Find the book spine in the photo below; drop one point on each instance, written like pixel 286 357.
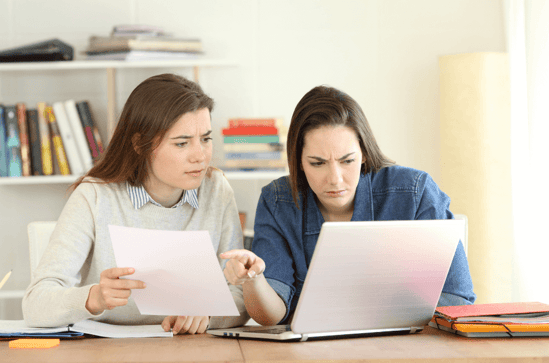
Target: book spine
pixel 58 143
pixel 89 126
pixel 79 134
pixel 250 130
pixel 47 160
pixel 244 164
pixel 487 328
pixel 250 139
pixel 13 142
pixel 237 122
pixel 3 144
pixel 34 142
pixel 268 147
pixel 242 217
pixel 256 156
pixel 69 141
pixel 24 138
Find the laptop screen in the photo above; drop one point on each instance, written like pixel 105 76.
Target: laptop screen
pixel 376 275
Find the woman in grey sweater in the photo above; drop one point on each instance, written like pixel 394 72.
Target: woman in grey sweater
pixel 155 174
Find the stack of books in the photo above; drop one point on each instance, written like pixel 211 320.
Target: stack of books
pixel 57 139
pixel 494 320
pixel 255 144
pixel 141 42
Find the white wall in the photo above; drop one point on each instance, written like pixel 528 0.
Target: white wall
pixel 383 53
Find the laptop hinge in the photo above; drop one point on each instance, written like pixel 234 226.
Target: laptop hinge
pixel 304 338
pixel 413 330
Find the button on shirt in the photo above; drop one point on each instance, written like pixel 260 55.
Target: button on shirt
pixel 140 197
pixel 285 236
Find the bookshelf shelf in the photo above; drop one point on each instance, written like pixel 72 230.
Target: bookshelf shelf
pixel 29 180
pixel 12 294
pixel 69 179
pixel 98 64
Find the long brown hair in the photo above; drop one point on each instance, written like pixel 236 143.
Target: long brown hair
pixel 151 109
pixel 328 106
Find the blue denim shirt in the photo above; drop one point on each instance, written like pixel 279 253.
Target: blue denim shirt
pixel 285 236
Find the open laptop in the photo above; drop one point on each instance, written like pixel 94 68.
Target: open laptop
pixel 368 278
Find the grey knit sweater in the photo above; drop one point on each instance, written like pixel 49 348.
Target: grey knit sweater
pixel 80 249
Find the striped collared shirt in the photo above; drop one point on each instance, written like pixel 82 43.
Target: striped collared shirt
pixel 140 197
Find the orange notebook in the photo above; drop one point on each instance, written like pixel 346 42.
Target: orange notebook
pixel 494 320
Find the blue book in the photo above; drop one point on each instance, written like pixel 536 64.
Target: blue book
pixel 257 155
pixel 3 145
pixel 13 142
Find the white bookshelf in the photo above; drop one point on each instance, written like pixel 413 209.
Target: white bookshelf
pixel 30 180
pixel 110 68
pixel 69 179
pixel 104 64
pixel 12 294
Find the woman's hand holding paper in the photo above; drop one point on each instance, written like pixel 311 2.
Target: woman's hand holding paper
pixel 112 291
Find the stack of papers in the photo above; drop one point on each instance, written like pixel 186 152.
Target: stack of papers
pixel 494 320
pixel 17 329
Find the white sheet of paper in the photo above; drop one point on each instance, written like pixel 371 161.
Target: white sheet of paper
pixel 180 269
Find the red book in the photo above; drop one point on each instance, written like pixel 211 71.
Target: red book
pixel 467 311
pixel 237 122
pixel 250 130
pixel 90 129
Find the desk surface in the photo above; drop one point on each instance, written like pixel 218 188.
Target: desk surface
pixel 430 345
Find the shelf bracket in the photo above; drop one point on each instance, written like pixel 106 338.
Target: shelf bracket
pixel 196 71
pixel 111 101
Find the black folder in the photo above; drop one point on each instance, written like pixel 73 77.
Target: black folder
pixel 46 51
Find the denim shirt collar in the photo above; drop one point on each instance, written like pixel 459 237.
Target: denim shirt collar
pixel 363 209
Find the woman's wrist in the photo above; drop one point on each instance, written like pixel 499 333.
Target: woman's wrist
pixel 256 281
pixel 91 304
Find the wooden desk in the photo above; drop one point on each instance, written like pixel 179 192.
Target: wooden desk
pixel 431 345
pixel 181 348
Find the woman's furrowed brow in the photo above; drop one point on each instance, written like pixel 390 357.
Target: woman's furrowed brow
pixel 190 136
pixel 340 159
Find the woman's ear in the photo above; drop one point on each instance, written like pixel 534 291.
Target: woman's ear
pixel 135 140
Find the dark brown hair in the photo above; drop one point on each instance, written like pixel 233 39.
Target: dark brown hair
pixel 327 106
pixel 151 109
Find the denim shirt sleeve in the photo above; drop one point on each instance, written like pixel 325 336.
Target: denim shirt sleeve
pixel 270 244
pixel 432 203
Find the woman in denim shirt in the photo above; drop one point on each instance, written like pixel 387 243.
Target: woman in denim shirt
pixel 337 173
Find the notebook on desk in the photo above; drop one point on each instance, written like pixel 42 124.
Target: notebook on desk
pixel 368 278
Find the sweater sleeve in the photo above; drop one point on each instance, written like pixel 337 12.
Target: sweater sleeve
pixel 54 297
pixel 434 204
pixel 231 238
